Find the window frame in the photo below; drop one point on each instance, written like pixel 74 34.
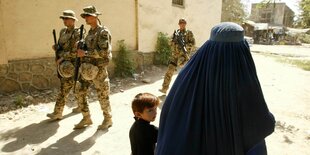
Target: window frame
pixel 178 5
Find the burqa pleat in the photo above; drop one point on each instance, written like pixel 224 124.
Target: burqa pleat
pixel 216 105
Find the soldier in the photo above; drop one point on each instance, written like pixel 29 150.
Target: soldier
pixel 66 53
pixel 178 56
pixel 95 58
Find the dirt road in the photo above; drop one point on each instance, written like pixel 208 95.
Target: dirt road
pixel 27 131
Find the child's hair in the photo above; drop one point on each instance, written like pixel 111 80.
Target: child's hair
pixel 144 100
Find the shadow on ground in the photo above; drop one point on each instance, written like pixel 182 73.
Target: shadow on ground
pixel 32 134
pixel 37 133
pixel 67 144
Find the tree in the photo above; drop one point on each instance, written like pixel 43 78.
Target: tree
pixel 233 11
pixel 305 13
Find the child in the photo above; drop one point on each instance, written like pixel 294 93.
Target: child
pixel 143 135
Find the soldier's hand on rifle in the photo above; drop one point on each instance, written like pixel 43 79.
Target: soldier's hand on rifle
pixel 80 53
pixel 56 47
pixel 53 47
pixel 58 61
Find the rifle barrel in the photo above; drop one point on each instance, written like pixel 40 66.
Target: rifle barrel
pixel 54 35
pixel 77 59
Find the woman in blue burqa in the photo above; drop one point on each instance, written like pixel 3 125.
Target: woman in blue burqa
pixel 216 105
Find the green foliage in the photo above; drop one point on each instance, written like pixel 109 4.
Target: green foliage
pixel 304 38
pixel 233 11
pixel 19 101
pixel 305 13
pixel 290 59
pixel 163 49
pixel 303 64
pixel 266 3
pixel 124 66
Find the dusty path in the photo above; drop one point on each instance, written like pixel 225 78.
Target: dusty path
pixel 287 93
pixel 297 51
pixel 27 131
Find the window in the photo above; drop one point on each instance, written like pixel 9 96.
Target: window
pixel 178 2
pixel 268 15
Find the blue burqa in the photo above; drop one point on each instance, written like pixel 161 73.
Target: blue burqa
pixel 216 105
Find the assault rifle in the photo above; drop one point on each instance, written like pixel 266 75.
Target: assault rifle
pixel 179 39
pixel 57 50
pixel 77 63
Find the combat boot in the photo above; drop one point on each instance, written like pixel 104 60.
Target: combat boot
pixel 86 121
pixel 77 110
pixel 107 122
pixel 54 116
pixel 164 91
pixel 57 114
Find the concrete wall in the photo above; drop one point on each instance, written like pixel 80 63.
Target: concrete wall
pixel 26 25
pixel 288 18
pixel 281 14
pixel 162 16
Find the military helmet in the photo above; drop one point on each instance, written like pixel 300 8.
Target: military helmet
pixel 89 71
pixel 182 20
pixel 66 69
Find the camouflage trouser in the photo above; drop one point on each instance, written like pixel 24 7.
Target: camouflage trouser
pixel 65 86
pixel 102 85
pixel 175 61
pixel 168 76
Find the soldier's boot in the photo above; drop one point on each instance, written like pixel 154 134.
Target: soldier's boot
pixel 107 122
pixel 77 110
pixel 57 114
pixel 54 116
pixel 86 121
pixel 163 90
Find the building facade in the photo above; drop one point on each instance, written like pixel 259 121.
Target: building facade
pixel 276 14
pixel 26 56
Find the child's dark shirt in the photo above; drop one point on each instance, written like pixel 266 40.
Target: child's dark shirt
pixel 143 137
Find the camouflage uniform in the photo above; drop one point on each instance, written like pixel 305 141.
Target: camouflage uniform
pixel 67 39
pixel 178 58
pixel 94 69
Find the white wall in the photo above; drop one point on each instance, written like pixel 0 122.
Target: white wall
pixel 26 25
pixel 3 55
pixel 161 16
